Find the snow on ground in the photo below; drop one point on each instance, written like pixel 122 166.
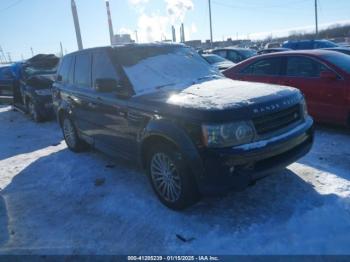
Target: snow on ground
pixel 53 201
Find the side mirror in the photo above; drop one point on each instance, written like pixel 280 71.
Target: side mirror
pixel 329 75
pixel 59 78
pixel 106 85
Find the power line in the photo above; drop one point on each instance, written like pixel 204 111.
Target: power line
pixel 247 6
pixel 11 5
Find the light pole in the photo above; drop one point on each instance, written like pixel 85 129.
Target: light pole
pixel 76 25
pixel 110 25
pixel 316 17
pixel 210 22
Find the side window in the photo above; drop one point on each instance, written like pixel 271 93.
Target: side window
pixel 102 67
pixel 82 72
pixel 271 66
pixel 304 67
pixel 221 53
pixel 6 74
pixel 233 56
pixel 65 69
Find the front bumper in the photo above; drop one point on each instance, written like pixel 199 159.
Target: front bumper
pixel 44 105
pixel 237 167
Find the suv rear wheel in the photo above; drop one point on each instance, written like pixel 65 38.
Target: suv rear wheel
pixel 170 178
pixel 71 137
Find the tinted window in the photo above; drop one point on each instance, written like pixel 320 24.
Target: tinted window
pixel 340 60
pixel 102 67
pixel 82 73
pixel 221 53
pixel 233 56
pixel 271 66
pixel 6 73
pixel 65 69
pixel 212 59
pixel 304 67
pixel 247 53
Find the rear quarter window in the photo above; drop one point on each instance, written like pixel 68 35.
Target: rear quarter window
pixel 65 69
pixel 82 71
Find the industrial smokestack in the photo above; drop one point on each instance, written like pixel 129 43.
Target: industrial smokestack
pixel 174 33
pixel 182 33
pixel 110 25
pixel 76 25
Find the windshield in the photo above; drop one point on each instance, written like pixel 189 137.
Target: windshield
pixel 248 53
pixel 340 60
pixel 32 71
pixel 213 59
pixel 151 68
pixel 325 44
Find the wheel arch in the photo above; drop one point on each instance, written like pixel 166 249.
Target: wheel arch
pixel 169 133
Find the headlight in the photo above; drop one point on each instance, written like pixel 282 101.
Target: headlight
pixel 226 135
pixel 304 108
pixel 43 92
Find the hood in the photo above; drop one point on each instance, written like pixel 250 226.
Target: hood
pixel 223 98
pixel 224 93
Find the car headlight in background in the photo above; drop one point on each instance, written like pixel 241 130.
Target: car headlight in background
pixel 43 92
pixel 304 110
pixel 230 134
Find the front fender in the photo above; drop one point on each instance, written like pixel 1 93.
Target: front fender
pixel 178 136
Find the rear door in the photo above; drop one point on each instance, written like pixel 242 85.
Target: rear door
pixel 82 95
pixel 325 97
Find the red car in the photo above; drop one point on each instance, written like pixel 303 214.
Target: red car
pixel 323 77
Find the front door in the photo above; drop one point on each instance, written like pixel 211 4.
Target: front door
pixel 325 97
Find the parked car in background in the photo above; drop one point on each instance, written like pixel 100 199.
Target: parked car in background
pixel 273 50
pixel 33 95
pixel 7 81
pixel 308 44
pixel 218 62
pixel 235 55
pixel 343 50
pixel 193 130
pixel 273 45
pixel 323 76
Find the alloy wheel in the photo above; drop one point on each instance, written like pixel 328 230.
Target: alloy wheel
pixel 165 177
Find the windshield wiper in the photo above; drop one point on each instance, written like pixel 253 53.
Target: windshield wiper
pixel 207 77
pixel 166 85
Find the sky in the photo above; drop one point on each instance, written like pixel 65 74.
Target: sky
pixel 43 24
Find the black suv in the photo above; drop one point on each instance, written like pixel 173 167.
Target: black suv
pixel 193 130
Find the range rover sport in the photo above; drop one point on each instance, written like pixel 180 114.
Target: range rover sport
pixel 194 131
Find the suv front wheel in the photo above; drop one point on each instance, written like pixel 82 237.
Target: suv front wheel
pixel 71 137
pixel 170 178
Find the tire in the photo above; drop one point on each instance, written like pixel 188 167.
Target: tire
pixel 33 112
pixel 170 178
pixel 71 137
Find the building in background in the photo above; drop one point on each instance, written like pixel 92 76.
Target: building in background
pixel 122 39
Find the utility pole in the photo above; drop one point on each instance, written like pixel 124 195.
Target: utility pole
pixel 61 49
pixel 31 50
pixel 210 22
pixel 316 17
pixel 110 25
pixel 136 36
pixel 76 25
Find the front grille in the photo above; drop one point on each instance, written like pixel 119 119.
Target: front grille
pixel 277 120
